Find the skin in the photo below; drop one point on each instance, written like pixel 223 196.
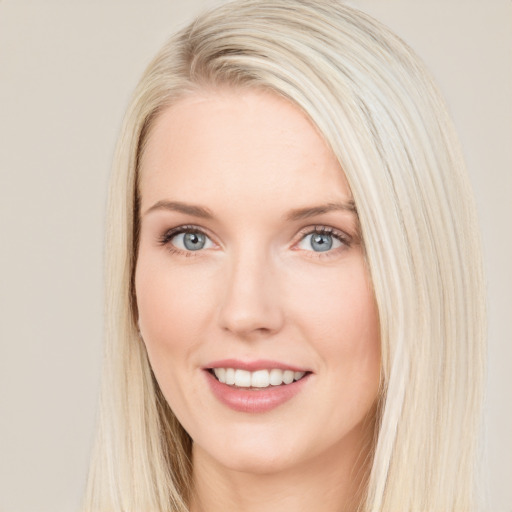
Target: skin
pixel 257 290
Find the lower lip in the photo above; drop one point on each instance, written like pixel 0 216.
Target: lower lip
pixel 254 400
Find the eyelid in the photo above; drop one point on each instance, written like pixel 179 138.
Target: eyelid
pixel 324 230
pixel 169 234
pixel 342 236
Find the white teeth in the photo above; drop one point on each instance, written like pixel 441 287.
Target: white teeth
pixel 260 379
pixel 220 373
pixel 257 379
pixel 242 378
pixel 298 375
pixel 230 376
pixel 288 377
pixel 276 377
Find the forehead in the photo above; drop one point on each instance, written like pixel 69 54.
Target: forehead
pixel 243 144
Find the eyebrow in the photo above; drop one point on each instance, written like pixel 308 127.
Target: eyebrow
pixel 293 215
pixel 306 213
pixel 177 206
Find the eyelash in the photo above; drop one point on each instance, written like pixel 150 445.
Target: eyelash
pixel 165 239
pixel 345 239
pixel 342 237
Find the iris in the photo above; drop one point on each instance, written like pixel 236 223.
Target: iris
pixel 321 242
pixel 194 241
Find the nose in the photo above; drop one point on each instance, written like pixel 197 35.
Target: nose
pixel 250 304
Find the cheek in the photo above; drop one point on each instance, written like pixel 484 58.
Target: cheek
pixel 339 304
pixel 172 308
pixel 341 317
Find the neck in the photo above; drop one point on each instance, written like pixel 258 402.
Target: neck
pixel 329 482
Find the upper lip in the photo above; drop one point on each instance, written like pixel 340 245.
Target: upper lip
pixel 251 366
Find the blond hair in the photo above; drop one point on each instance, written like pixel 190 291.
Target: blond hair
pixel 376 106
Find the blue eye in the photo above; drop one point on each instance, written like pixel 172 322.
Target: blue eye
pixel 320 241
pixel 191 241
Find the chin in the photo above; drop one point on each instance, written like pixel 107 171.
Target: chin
pixel 255 457
pixel 258 463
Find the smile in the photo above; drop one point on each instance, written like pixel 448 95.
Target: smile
pixel 256 379
pixel 256 386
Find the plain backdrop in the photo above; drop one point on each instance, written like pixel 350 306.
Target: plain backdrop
pixel 67 69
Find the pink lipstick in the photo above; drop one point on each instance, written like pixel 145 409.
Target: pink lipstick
pixel 255 386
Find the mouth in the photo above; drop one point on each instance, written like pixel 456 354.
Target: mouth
pixel 255 386
pixel 256 380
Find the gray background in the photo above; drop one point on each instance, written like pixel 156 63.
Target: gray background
pixel 67 69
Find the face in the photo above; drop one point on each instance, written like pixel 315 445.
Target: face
pixel 254 300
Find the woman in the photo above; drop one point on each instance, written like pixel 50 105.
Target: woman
pixel 295 292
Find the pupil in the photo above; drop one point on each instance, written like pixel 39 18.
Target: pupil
pixel 321 242
pixel 193 241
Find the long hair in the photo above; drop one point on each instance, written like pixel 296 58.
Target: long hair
pixel 378 109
